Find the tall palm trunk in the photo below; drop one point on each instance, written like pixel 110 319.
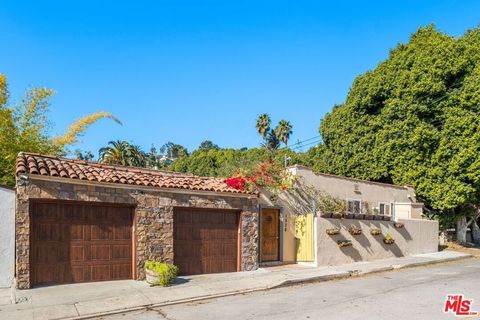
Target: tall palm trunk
pixel 475 232
pixel 462 230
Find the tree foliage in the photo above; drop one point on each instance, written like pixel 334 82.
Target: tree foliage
pixel 122 153
pixel 273 137
pixel 24 126
pixel 414 119
pixel 224 162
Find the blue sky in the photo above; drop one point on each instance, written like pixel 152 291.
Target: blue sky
pixel 186 71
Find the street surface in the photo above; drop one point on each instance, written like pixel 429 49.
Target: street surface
pixel 417 293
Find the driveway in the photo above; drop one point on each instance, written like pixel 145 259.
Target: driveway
pixel 417 293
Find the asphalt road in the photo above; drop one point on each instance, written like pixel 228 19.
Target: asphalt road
pixel 417 293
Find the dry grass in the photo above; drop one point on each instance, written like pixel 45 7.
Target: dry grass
pixel 464 248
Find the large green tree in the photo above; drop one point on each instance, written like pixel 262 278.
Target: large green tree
pixel 224 162
pixel 414 119
pixel 24 126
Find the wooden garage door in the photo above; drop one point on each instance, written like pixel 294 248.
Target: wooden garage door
pixel 80 243
pixel 205 241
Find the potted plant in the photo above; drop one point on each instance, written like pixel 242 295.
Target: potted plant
pixel 398 225
pixel 344 243
pixel 160 273
pixel 333 231
pixel 388 239
pixel 337 215
pixel 354 231
pixel 375 232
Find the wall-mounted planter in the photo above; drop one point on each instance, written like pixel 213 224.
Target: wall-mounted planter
pixel 344 243
pixel 359 216
pixel 398 225
pixel 378 217
pixel 387 218
pixel 354 231
pixel 333 231
pixel 349 215
pixel 326 215
pixel 337 215
pixel 388 241
pixel 369 217
pixel 375 232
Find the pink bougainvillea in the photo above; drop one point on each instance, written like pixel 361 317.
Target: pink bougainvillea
pixel 236 183
pixel 266 174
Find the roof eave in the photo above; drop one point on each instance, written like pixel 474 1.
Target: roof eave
pixel 139 187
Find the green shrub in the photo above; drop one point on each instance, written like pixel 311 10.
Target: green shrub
pixel 388 237
pixel 166 272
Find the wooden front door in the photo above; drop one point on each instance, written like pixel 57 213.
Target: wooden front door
pixel 205 240
pixel 270 246
pixel 72 242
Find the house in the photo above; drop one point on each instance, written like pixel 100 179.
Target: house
pixel 79 221
pixel 7 236
pixel 282 216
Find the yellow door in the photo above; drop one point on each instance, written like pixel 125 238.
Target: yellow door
pixel 305 238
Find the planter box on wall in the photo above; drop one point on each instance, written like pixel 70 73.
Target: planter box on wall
pixel 344 243
pixel 354 231
pixel 332 232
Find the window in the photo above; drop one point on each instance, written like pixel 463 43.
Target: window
pixel 384 208
pixel 354 206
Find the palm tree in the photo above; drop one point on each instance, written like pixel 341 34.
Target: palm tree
pixel 136 157
pixel 283 131
pixel 122 153
pixel 263 125
pixel 271 142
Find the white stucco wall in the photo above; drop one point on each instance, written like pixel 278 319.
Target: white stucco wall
pixel 402 198
pixel 416 237
pixel 7 236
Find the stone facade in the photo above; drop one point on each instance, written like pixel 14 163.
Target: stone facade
pixel 153 217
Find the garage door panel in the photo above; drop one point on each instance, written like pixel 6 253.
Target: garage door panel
pixel 77 253
pixel 122 232
pixel 101 272
pixel 100 252
pixel 121 252
pixel 75 232
pixel 48 232
pixel 101 232
pixel 118 271
pixel 84 243
pixel 212 246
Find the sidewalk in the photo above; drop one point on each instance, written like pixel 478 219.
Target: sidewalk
pixel 94 299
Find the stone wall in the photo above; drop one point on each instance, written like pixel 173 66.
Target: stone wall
pixel 416 236
pixel 153 212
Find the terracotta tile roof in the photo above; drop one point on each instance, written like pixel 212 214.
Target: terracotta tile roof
pixel 35 164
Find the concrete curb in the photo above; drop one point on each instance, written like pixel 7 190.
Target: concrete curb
pixel 432 262
pixel 286 283
pixel 322 278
